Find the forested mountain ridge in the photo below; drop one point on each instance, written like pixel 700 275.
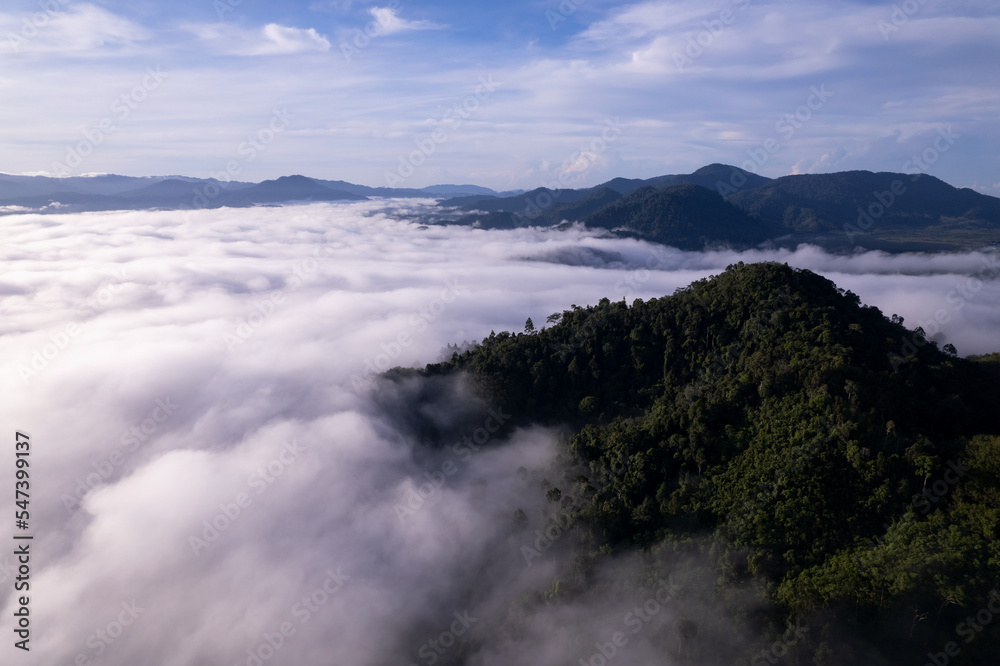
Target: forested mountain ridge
pixel 686 216
pixel 841 211
pixel 803 444
pixel 891 211
pixel 831 202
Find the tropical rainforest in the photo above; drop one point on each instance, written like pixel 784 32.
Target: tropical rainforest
pixel 823 482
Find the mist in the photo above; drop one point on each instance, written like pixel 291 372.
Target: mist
pixel 220 476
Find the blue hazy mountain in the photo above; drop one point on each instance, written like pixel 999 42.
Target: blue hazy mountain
pixel 717 204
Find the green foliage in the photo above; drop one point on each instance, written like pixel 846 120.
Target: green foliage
pixel 905 213
pixel 761 410
pixel 685 216
pixel 827 202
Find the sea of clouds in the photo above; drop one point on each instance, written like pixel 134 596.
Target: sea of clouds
pixel 216 476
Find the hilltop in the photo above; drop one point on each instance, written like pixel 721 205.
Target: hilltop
pixel 826 466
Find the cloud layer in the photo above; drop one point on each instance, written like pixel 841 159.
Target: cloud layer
pixel 214 466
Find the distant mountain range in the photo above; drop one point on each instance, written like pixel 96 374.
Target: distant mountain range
pixel 721 204
pixel 716 205
pixel 112 192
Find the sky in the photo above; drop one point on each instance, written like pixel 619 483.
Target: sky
pixel 213 458
pixel 505 95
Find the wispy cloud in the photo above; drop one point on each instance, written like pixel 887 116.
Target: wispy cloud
pixel 183 466
pixel 83 29
pixel 271 39
pixel 390 21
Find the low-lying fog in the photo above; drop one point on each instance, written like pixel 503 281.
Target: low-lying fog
pixel 209 468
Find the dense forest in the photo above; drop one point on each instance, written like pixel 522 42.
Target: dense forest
pixel 829 477
pixel 887 211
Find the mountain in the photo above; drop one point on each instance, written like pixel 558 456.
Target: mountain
pixel 839 211
pixel 686 216
pixel 367 191
pixel 598 199
pixel 121 193
pixel 106 192
pixel 675 209
pixel 171 187
pixel 288 188
pixel 789 456
pixel 164 194
pixel 540 202
pixel 109 192
pixel 573 209
pixel 721 178
pixel 829 202
pixel 108 184
pixel 457 190
pixel 629 185
pixel 432 191
pixel 888 211
pixel 525 204
pixel 711 177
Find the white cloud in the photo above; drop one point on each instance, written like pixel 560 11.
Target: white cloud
pixel 390 22
pixel 283 39
pixel 271 39
pixel 321 292
pixel 81 29
pixel 639 20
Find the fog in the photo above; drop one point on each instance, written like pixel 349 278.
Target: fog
pixel 213 461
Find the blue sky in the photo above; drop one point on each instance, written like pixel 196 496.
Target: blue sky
pixel 511 95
